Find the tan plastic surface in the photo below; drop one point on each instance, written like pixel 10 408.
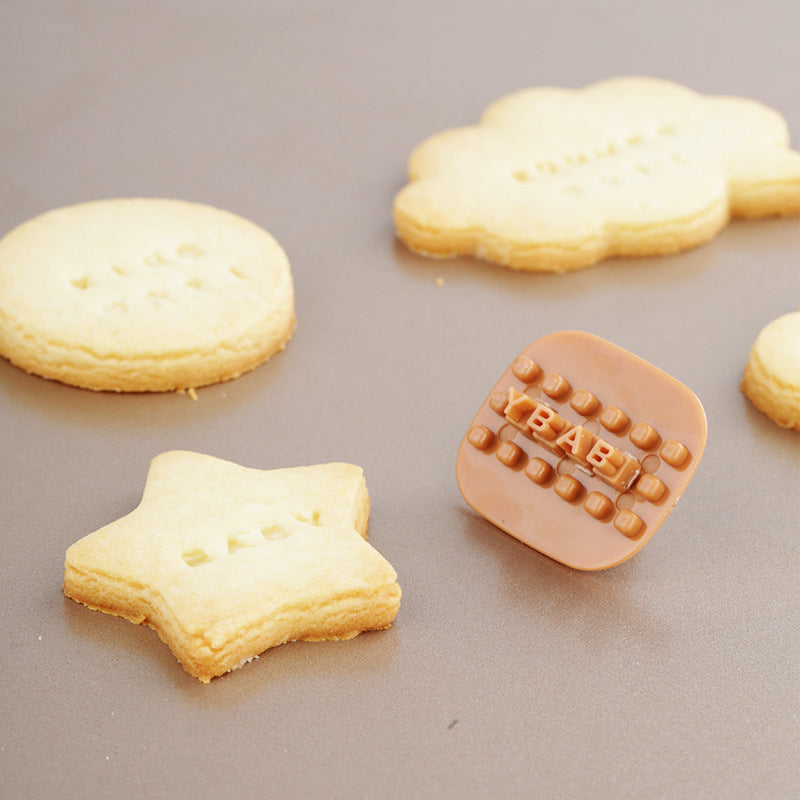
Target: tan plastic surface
pixel 566 452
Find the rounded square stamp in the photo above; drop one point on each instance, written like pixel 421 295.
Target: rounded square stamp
pixel 617 493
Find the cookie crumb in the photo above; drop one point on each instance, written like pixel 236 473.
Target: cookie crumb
pixel 440 281
pixel 192 393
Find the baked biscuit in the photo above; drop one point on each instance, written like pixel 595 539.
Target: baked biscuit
pixel 555 179
pixel 225 561
pixel 135 295
pixel 772 374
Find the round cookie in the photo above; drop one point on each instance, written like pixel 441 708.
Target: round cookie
pixel 134 295
pixel 772 375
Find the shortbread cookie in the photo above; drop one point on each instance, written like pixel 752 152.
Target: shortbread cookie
pixel 772 375
pixel 225 561
pixel 137 295
pixel 556 179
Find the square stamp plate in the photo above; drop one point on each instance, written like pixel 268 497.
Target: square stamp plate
pixel 581 450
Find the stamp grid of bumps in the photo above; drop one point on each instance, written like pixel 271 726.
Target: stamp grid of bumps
pixel 607 474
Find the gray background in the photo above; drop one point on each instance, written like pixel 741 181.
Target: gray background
pixel 505 674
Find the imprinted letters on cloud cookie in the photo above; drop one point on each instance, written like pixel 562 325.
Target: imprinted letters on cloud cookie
pixel 556 179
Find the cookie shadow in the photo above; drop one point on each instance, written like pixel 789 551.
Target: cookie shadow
pixel 650 272
pixel 85 408
pixel 114 639
pixel 782 442
pixel 299 666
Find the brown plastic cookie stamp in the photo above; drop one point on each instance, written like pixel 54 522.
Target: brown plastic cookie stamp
pixel 581 450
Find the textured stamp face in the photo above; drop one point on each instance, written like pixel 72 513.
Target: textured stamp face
pixel 581 450
pixel 225 561
pixel 554 179
pixel 142 295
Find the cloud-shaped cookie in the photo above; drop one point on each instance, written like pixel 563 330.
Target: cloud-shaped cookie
pixel 556 179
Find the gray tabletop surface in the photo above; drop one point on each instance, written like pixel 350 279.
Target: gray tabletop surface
pixel 505 674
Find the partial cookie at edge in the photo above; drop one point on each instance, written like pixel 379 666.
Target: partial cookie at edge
pixel 771 379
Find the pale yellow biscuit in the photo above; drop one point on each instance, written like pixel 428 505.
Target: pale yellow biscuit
pixel 142 295
pixel 772 374
pixel 556 179
pixel 225 561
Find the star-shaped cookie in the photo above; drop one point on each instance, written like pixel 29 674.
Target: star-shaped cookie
pixel 556 179
pixel 224 561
